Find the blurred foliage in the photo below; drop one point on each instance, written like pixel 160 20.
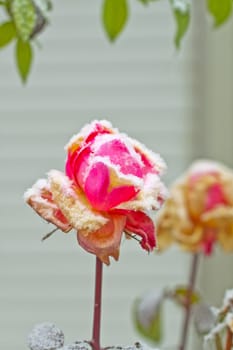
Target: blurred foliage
pixel 24 20
pixel 148 310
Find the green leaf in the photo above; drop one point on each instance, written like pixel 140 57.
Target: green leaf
pixel 220 10
pixel 115 15
pixel 7 33
pixel 180 295
pixel 181 11
pixel 24 17
pixel 24 56
pixel 147 316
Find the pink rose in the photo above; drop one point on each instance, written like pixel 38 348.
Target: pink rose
pixel 111 183
pixel 199 212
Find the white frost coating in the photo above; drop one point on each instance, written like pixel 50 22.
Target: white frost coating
pixel 35 190
pixel 78 345
pixel 45 336
pixel 123 138
pixel 132 179
pixel 204 166
pixel 228 298
pixel 87 129
pixel 149 198
pixel 217 329
pixel 136 346
pixel 159 164
pixel 181 5
pixel 148 307
pixel 229 319
pixel 63 180
pixel 77 213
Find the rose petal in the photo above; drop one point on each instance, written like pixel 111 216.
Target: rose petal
pixel 141 224
pixel 104 242
pixel 215 197
pixel 40 198
pixel 73 203
pixel 119 154
pixel 97 185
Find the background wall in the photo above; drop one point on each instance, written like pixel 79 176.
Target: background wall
pixel 145 88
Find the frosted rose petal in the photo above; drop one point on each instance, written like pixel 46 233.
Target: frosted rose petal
pixel 96 189
pixel 40 198
pixel 118 154
pixel 215 197
pixel 141 224
pixel 104 242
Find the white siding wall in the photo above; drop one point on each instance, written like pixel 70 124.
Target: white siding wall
pixel 145 89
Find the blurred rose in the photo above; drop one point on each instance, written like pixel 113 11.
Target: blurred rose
pixel 199 212
pixel 111 183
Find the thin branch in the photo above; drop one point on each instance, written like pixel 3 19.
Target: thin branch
pixel 191 285
pixel 49 234
pixel 133 236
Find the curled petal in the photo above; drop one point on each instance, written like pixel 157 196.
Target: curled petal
pixel 105 241
pixel 39 197
pixel 141 224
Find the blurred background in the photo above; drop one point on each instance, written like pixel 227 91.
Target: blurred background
pixel 178 103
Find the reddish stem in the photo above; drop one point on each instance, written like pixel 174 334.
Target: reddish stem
pixel 191 285
pixel 229 342
pixel 95 342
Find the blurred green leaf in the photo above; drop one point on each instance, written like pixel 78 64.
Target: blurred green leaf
pixel 115 15
pixel 220 10
pixel 154 331
pixel 180 295
pixel 24 56
pixel 7 33
pixel 147 315
pixel 24 17
pixel 181 11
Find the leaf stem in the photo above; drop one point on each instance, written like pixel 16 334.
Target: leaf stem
pixel 229 342
pixel 95 342
pixel 191 285
pixel 218 342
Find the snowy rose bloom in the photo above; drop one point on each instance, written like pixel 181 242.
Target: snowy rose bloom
pixel 111 183
pixel 199 212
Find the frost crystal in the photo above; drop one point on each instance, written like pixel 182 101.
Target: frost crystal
pixel 181 5
pixel 136 346
pixel 45 336
pixel 228 298
pixel 78 345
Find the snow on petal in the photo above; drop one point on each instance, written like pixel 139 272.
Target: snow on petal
pixel 73 204
pixel 39 197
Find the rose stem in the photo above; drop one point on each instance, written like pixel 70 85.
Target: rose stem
pixel 229 340
pixel 95 342
pixel 191 285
